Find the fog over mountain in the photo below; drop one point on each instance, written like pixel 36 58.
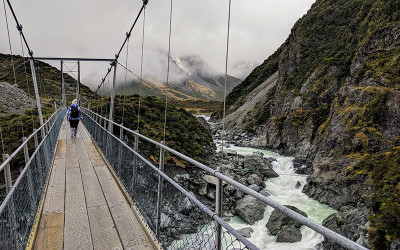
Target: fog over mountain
pixel 90 28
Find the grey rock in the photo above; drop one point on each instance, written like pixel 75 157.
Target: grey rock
pixel 250 209
pixel 165 221
pixel 350 222
pixel 203 190
pixel 278 219
pixel 14 99
pixel 265 192
pixel 255 179
pixel 395 245
pixel 255 163
pixel 246 232
pixel 211 194
pixel 238 194
pixel 270 159
pixel 255 187
pixel 289 234
pixel 301 166
pixel 298 185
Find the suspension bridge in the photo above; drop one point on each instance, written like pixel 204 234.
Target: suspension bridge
pixel 98 191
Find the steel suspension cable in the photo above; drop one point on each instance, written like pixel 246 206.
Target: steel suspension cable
pixel 26 75
pixel 141 68
pixel 117 55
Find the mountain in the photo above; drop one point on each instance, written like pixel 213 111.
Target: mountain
pixel 330 96
pixel 192 79
pixel 48 79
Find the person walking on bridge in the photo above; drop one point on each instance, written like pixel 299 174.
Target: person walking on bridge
pixel 74 115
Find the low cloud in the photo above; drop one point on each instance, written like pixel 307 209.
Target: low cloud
pixel 90 28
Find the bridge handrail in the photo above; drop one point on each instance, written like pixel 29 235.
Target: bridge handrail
pixel 48 123
pixel 203 207
pixel 336 237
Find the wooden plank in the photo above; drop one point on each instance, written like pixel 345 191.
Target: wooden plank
pixel 103 231
pixel 84 134
pixel 50 234
pixel 72 155
pixel 129 228
pixel 77 233
pixel 95 157
pixel 55 193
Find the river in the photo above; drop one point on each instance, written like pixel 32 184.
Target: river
pixel 283 190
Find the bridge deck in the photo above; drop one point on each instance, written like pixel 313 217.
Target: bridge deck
pixel 84 207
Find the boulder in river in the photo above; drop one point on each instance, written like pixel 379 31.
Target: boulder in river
pixel 255 179
pixel 278 219
pixel 250 209
pixel 289 234
pixel 301 166
pixel 256 164
pixel 246 232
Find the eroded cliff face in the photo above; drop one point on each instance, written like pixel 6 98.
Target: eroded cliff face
pixel 335 101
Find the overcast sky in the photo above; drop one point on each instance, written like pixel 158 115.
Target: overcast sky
pixel 96 28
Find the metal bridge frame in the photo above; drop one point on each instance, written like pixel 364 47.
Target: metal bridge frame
pixel 62 60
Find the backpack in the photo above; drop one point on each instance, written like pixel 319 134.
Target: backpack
pixel 74 111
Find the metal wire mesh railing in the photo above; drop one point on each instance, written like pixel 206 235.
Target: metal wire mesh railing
pixel 175 216
pixel 96 121
pixel 18 210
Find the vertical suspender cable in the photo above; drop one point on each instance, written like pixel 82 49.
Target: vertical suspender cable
pixel 12 61
pixel 226 76
pixel 218 205
pixel 9 42
pixel 169 53
pixel 141 67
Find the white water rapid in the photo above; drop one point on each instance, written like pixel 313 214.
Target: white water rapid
pixel 282 190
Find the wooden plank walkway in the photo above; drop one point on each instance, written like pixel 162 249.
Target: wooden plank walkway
pixel 84 207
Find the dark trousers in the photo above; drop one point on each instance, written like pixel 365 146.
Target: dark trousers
pixel 73 123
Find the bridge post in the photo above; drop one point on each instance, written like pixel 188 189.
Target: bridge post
pixel 63 100
pixel 26 151
pixel 36 92
pixel 135 161
pixel 46 129
pixel 7 174
pixel 29 174
pixel 35 138
pixel 77 84
pixel 218 211
pixel 55 106
pixel 159 193
pixel 110 126
pixel 121 136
